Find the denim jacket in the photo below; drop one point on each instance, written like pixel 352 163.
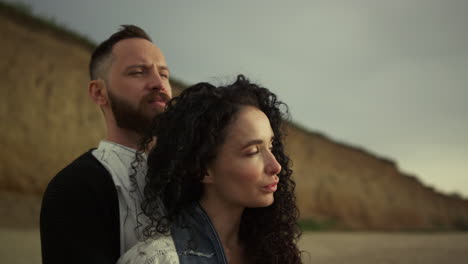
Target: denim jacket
pixel 193 240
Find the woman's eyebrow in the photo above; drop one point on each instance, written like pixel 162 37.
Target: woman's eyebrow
pixel 252 142
pixel 256 142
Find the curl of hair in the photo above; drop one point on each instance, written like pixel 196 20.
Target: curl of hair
pixel 189 134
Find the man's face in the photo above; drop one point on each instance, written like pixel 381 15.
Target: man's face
pixel 137 84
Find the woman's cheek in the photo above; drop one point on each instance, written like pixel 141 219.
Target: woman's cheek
pixel 247 170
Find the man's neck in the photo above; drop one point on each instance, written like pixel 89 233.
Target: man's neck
pixel 124 137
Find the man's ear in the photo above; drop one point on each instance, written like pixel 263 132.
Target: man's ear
pixel 98 92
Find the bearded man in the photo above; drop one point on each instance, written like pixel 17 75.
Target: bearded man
pixel 91 209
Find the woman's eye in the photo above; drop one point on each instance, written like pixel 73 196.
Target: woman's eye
pixel 252 151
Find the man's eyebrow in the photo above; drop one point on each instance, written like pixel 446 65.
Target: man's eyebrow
pixel 163 67
pixel 160 67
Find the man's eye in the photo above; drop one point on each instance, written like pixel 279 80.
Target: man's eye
pixel 164 75
pixel 138 71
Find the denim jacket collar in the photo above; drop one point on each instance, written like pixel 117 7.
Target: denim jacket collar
pixel 195 237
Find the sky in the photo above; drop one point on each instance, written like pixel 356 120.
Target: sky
pixel 387 76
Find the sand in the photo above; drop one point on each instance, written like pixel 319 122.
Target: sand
pixel 358 247
pixel 20 246
pixel 23 247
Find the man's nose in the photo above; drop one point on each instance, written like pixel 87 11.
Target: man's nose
pixel 156 81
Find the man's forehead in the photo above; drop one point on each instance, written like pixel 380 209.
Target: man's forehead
pixel 136 50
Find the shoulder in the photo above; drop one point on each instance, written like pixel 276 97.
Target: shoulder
pixel 80 212
pixel 158 250
pixel 86 169
pixel 85 175
pixel 85 163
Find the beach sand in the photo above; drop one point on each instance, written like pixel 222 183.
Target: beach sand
pixel 385 248
pixel 23 247
pixel 20 246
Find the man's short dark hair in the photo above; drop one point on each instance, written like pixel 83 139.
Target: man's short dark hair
pixel 104 50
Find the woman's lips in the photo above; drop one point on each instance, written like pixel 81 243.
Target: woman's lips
pixel 271 187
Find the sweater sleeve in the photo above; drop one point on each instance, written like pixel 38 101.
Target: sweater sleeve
pixel 79 220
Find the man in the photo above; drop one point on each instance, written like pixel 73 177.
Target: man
pixel 91 209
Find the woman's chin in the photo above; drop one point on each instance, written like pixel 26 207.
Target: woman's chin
pixel 264 202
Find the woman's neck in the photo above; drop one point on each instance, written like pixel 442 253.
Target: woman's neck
pixel 226 221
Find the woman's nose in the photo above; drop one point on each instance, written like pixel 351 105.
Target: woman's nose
pixel 273 166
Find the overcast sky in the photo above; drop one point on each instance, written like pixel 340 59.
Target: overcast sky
pixel 387 76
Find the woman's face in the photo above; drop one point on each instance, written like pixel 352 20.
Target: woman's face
pixel 244 172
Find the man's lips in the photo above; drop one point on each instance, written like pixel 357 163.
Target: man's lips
pixel 159 99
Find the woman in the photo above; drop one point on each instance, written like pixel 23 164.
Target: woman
pixel 219 171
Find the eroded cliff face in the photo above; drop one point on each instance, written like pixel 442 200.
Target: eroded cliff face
pixel 47 120
pixel 361 191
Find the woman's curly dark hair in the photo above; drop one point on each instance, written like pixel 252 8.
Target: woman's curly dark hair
pixel 189 133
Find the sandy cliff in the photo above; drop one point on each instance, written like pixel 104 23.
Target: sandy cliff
pixel 362 191
pixel 47 120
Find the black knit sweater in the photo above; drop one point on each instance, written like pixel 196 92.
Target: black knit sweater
pixel 79 220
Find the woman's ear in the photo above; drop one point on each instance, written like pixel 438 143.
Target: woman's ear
pixel 208 178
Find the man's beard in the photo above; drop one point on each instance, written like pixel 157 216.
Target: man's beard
pixel 127 116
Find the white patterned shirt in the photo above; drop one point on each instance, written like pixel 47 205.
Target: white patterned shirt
pixel 118 159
